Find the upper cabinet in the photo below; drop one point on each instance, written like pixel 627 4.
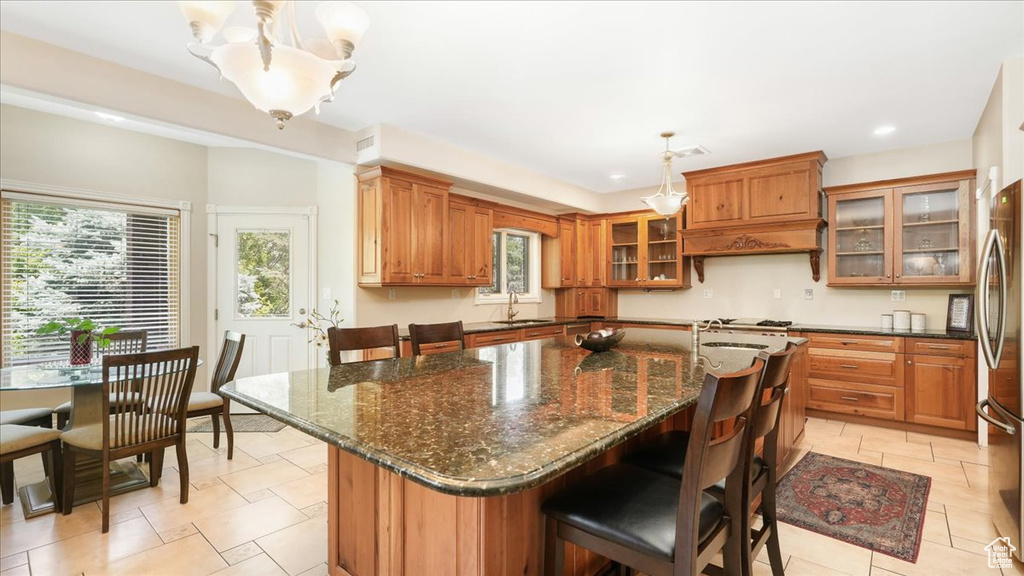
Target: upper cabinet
pixel 768 206
pixel 558 256
pixel 912 231
pixel 470 251
pixel 644 251
pixel 591 252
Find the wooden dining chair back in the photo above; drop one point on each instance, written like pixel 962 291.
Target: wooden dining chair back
pixel 213 404
pixel 124 342
pixel 655 523
pixel 760 473
pixel 146 422
pixel 435 338
pixel 369 338
pixel 725 403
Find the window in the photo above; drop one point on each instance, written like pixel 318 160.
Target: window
pixel 118 265
pixel 516 255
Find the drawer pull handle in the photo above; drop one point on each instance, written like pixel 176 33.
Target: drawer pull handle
pixel 849 342
pixel 850 398
pixel 850 366
pixel 938 347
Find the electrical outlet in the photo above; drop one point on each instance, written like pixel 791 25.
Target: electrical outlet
pixel 777 294
pixel 899 296
pixel 808 293
pixel 455 294
pixel 709 293
pixel 392 293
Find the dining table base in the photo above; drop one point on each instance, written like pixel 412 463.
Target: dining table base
pixel 125 476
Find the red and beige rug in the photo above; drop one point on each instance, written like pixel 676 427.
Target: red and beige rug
pixel 869 506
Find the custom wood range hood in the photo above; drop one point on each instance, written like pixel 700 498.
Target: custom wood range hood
pixel 769 206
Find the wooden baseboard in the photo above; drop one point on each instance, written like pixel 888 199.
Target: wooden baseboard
pixel 908 426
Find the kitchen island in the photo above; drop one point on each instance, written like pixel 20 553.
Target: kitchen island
pixel 439 464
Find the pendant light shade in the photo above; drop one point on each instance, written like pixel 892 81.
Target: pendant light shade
pixel 666 201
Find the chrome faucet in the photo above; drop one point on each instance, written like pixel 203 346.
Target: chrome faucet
pixel 696 328
pixel 513 298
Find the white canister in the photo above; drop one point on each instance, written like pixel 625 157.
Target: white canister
pixel 917 322
pixel 901 319
pixel 886 321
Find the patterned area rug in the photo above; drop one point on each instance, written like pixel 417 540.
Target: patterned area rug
pixel 869 506
pixel 239 423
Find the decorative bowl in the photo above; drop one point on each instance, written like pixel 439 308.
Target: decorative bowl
pixel 600 340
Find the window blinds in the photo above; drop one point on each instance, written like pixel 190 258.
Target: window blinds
pixel 118 265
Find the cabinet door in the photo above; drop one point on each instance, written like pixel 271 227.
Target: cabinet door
pixel 460 246
pixel 398 233
pixel 596 259
pixel 662 250
pixel 429 241
pixel 596 298
pixel 774 197
pixel 717 203
pixel 583 253
pixel 860 238
pixel 567 247
pixel 624 252
pixel 933 234
pixel 940 391
pixel 480 251
pixel 581 302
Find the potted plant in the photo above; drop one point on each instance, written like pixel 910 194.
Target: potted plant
pixel 84 332
pixel 319 324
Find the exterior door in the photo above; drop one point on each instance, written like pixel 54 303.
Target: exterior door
pixel 263 275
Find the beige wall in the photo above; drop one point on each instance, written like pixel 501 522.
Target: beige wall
pixel 744 285
pixel 52 150
pixel 1013 120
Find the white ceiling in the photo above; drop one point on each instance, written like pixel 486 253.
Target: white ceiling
pixel 580 90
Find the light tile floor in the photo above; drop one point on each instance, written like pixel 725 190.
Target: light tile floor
pixel 264 514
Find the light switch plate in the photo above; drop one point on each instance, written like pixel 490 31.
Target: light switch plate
pixel 327 293
pixel 709 293
pixel 455 294
pixel 899 296
pixel 392 293
pixel 777 294
pixel 808 293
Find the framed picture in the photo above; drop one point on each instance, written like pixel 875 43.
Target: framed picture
pixel 960 316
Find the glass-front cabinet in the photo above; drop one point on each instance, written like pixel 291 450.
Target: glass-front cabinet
pixel 921 233
pixel 645 252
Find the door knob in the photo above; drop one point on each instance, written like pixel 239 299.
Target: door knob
pixel 302 311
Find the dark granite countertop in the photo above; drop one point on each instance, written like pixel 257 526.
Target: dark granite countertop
pixel 871 331
pixel 499 419
pixel 481 327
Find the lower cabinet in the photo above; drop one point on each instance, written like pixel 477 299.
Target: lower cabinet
pixel 586 302
pixel 919 380
pixel 509 336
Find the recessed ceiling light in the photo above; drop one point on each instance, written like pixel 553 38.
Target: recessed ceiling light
pixel 883 130
pixel 108 117
pixel 617 176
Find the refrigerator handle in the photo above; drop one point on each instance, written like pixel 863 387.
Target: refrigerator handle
pixel 1001 328
pixel 980 409
pixel 981 296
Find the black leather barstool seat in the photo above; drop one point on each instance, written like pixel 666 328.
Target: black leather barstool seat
pixel 632 507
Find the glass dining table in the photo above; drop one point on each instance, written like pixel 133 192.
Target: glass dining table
pixel 85 382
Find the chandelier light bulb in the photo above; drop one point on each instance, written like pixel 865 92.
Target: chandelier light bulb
pixel 206 17
pixel 344 23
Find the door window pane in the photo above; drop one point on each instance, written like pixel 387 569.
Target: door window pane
pixel 264 274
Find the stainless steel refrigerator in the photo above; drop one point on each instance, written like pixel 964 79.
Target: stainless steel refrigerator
pixel 999 331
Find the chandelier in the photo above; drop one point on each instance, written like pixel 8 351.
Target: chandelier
pixel 667 201
pixel 272 66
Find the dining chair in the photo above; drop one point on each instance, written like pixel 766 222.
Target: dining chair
pixel 18 441
pixel 666 454
pixel 42 417
pixel 145 422
pixel 657 524
pixel 348 339
pixel 124 342
pixel 434 338
pixel 213 404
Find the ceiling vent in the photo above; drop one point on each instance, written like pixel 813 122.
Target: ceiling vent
pixel 691 151
pixel 364 144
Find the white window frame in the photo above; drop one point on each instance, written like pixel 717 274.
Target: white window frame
pixel 533 295
pixel 32 191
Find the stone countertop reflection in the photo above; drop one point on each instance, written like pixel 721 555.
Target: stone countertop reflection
pixel 500 419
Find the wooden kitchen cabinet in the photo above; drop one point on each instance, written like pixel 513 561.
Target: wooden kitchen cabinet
pixel 586 302
pixel 403 232
pixel 912 231
pixel 644 251
pixel 591 253
pixel 470 246
pixel 558 256
pixel 940 386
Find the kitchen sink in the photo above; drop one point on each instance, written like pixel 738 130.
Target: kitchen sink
pixel 522 321
pixel 735 345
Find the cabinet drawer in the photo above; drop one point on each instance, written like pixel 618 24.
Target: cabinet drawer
pixel 438 348
pixel 938 347
pixel 855 342
pixel 491 338
pixel 864 399
pixel 855 366
pixel 543 332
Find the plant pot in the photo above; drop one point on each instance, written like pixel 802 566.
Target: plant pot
pixel 81 352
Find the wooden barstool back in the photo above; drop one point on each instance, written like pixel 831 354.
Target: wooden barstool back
pixel 435 338
pixel 373 337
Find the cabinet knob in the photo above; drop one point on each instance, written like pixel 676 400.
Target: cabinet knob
pixel 887 275
pixel 909 362
pixel 897 275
